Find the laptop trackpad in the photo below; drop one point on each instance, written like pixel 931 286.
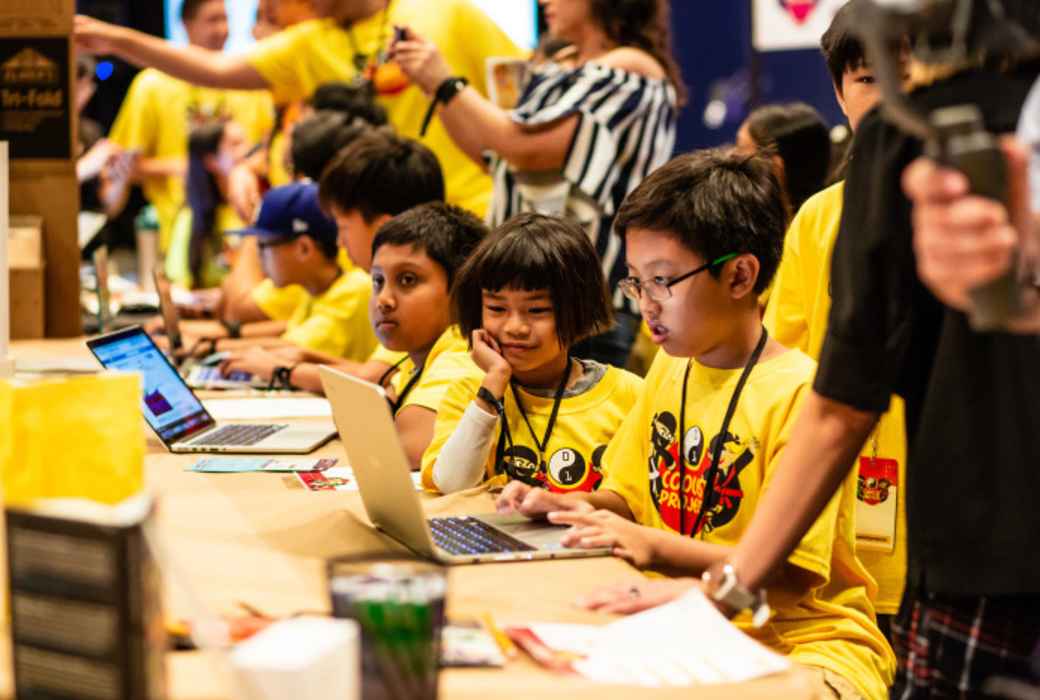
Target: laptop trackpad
pixel 537 533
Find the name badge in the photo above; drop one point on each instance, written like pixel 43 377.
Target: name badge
pixel 877 498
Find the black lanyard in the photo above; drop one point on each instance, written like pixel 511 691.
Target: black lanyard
pixel 395 406
pixel 716 453
pixel 544 443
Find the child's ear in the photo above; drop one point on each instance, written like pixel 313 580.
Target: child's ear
pixel 304 247
pixel 741 275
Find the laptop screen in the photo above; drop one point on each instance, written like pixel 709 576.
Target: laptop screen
pixel 169 406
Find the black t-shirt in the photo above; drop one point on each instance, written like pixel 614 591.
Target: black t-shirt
pixel 973 414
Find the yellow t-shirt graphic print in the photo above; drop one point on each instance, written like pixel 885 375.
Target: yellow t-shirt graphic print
pixel 680 507
pixel 573 457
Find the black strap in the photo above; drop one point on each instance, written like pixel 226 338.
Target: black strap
pixel 395 406
pixel 543 444
pixel 716 453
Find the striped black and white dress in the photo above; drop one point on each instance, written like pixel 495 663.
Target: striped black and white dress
pixel 626 130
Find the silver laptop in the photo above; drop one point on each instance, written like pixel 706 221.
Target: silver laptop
pixel 369 437
pixel 177 416
pixel 198 374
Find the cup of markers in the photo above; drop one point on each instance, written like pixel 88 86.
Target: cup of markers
pixel 399 604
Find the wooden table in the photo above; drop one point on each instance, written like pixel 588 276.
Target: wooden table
pixel 263 539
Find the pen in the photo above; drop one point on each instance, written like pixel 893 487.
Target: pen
pixel 505 644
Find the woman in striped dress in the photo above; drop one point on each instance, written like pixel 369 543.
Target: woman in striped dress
pixel 589 125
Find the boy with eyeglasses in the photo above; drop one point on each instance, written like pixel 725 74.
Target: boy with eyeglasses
pixel 684 473
pixel 298 244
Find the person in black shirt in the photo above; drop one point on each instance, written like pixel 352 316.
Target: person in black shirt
pixel 972 607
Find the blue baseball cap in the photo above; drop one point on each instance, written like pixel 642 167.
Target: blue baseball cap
pixel 292 211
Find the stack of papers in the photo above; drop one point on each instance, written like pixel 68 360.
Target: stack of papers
pixel 683 643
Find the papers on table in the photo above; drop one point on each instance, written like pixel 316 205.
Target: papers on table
pixel 266 408
pixel 683 643
pixel 340 479
pixel 236 465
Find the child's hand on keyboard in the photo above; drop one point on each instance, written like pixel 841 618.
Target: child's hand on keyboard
pixel 253 361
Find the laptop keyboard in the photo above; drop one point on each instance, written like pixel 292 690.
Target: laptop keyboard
pixel 237 435
pixel 472 536
pixel 202 374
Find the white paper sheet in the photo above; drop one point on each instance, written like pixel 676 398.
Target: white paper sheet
pixel 268 407
pixel 686 642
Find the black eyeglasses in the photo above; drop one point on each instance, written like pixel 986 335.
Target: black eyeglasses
pixel 660 288
pixel 272 243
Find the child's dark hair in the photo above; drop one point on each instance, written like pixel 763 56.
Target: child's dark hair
pixel 797 133
pixel 715 202
pixel 446 234
pixel 841 48
pixel 531 252
pixel 318 138
pixel 202 194
pixel 381 173
pixel 190 8
pixel 329 247
pixel 352 101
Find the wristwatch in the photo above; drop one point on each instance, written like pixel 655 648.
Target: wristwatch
pixel 447 90
pixel 233 328
pixel 722 586
pixel 485 395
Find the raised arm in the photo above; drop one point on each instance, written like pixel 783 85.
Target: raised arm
pixel 825 441
pixel 189 63
pixel 475 123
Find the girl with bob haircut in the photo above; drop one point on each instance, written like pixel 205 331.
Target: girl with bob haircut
pixel 530 291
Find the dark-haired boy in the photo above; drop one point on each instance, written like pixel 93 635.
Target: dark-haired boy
pixel 414 257
pixel 686 469
pixel 796 316
pixel 298 245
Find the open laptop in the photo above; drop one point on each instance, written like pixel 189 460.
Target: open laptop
pixel 384 479
pixel 198 374
pixel 177 416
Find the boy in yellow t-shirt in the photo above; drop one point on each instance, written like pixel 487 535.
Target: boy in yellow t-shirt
pixel 796 315
pixel 532 290
pixel 298 245
pixel 415 257
pixel 158 110
pixel 695 455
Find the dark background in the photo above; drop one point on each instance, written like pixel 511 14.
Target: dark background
pixel 711 41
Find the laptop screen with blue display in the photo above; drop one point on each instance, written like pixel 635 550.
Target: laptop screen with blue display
pixel 170 407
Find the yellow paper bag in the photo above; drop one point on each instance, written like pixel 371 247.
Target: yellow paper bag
pixel 76 437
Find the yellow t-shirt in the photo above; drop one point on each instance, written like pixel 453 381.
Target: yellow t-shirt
pixel 448 362
pixel 574 456
pixel 299 59
pixel 387 357
pixel 155 120
pixel 278 173
pixel 280 303
pixel 797 317
pixel 177 264
pixel 336 322
pixel 832 624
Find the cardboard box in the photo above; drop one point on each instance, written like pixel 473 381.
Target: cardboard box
pixel 25 258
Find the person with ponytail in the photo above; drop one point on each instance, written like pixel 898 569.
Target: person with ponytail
pixel 590 125
pixel 215 147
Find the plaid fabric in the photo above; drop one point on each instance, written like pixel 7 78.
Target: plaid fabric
pixel 948 646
